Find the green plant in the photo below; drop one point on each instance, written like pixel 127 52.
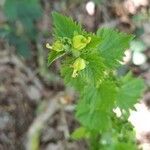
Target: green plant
pixel 20 30
pixel 89 65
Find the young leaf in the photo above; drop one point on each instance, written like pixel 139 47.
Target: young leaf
pixel 64 26
pixel 112 46
pixel 95 67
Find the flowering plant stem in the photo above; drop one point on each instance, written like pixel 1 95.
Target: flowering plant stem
pixel 89 64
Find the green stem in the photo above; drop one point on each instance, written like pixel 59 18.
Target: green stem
pixel 94 142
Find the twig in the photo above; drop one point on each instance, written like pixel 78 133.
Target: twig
pixel 38 124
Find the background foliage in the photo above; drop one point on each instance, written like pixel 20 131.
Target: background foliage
pixel 20 29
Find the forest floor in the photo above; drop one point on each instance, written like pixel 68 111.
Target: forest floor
pixel 35 106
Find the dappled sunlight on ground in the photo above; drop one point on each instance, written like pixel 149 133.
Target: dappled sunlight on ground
pixel 140 119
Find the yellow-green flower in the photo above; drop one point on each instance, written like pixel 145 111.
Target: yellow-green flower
pixel 78 65
pixel 57 46
pixel 79 42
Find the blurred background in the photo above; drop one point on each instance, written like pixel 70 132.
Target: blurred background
pixel 36 109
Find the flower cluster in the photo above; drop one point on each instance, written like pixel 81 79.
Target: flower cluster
pixel 76 44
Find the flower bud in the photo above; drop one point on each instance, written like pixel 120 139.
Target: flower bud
pixel 80 42
pixel 48 46
pixel 57 46
pixel 78 65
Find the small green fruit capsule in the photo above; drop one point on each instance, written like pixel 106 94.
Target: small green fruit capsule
pixel 58 46
pixel 80 42
pixel 78 65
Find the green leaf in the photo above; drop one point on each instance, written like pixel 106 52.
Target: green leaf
pixel 53 55
pixel 112 46
pixel 129 92
pixel 64 26
pixel 95 68
pixel 95 105
pixel 96 120
pixel 80 133
pixel 95 41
